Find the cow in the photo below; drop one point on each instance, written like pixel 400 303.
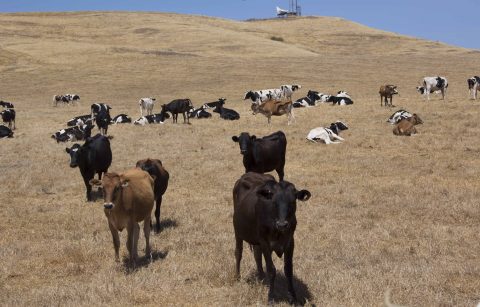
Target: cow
pixel 264 217
pixel 398 116
pixel 8 116
pixel 473 86
pixel 94 156
pixel 5 132
pixel 432 84
pixel 178 106
pixel 158 118
pixel 72 97
pixel 79 120
pixel 407 126
pixel 261 96
pixel 96 108
pixel 121 119
pixel 128 199
pixel 387 91
pixel 59 98
pixel 211 105
pixel 264 154
pixel 274 108
pixel 327 135
pixel 76 133
pixel 309 101
pixel 288 89
pixel 343 94
pixel 103 120
pixel 6 104
pixel 155 168
pixel 341 101
pixel 227 114
pixel 146 104
pixel 199 113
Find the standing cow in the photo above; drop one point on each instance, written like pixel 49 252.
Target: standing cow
pixel 432 84
pixel 146 104
pixel 178 106
pixel 264 217
pixel 387 91
pixel 473 86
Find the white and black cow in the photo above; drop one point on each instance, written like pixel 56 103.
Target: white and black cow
pixel 146 104
pixel 6 104
pixel 432 84
pixel 5 132
pixel 341 101
pixel 77 133
pixel 65 99
pixel 288 89
pixel 8 116
pixel 343 94
pixel 262 96
pixel 96 108
pixel 79 120
pixel 309 101
pixel 473 86
pixel 398 116
pixel 199 113
pixel 158 118
pixel 211 105
pixel 327 135
pixel 121 119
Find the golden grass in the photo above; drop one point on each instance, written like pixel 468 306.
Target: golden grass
pixel 387 212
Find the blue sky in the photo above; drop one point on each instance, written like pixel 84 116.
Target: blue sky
pixel 450 21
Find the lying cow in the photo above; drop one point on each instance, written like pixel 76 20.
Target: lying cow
pixel 79 120
pixel 160 175
pixel 128 199
pixel 387 91
pixel 227 114
pixel 146 104
pixel 178 106
pixel 8 116
pixel 6 104
pixel 343 94
pixel 340 100
pixel 264 217
pixel 121 119
pixel 199 113
pixel 327 135
pixel 214 104
pixel 398 116
pixel 309 101
pixel 76 133
pixel 265 154
pixel 158 118
pixel 407 126
pixel 432 84
pixel 5 132
pixel 288 89
pixel 274 108
pixel 473 86
pixel 94 156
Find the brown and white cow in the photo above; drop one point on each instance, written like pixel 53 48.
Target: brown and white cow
pixel 407 125
pixel 275 108
pixel 129 199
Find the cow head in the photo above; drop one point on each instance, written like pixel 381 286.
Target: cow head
pixel 245 141
pixel 296 87
pixel 392 89
pixel 313 95
pixel 141 121
pixel 113 186
pixel 251 95
pixel 415 119
pixel 75 151
pixel 421 89
pixel 283 198
pixel 471 82
pixel 148 165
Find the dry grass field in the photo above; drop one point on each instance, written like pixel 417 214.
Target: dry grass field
pixel 398 213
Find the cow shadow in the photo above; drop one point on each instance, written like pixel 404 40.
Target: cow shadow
pixel 280 293
pixel 143 261
pixel 167 223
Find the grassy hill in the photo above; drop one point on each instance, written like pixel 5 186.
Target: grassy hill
pixel 398 213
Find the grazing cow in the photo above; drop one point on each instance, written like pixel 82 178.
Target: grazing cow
pixel 398 116
pixel 275 108
pixel 146 104
pixel 79 120
pixel 59 98
pixel 288 89
pixel 432 84
pixel 178 106
pixel 341 101
pixel 6 104
pixel 155 168
pixel 261 96
pixel 264 217
pixel 128 199
pixel 227 114
pixel 219 102
pixel 94 156
pixel 5 132
pixel 327 135
pixel 76 133
pixel 8 116
pixel 96 108
pixel 473 86
pixel 102 120
pixel 72 97
pixel 199 113
pixel 265 154
pixel 309 101
pixel 158 118
pixel 121 119
pixel 407 126
pixel 387 91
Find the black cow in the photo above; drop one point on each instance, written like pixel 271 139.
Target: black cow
pixel 199 113
pixel 178 106
pixel 96 108
pixel 121 119
pixel 265 154
pixel 6 104
pixel 264 217
pixel 94 156
pixel 8 116
pixel 103 119
pixel 79 120
pixel 340 100
pixel 155 168
pixel 227 114
pixel 5 132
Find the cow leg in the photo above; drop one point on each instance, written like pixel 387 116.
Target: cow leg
pixel 238 256
pixel 184 119
pixel 381 100
pixel 116 241
pixel 158 204
pixel 132 241
pixel 280 173
pixel 257 253
pixel 271 272
pixel 146 233
pixel 288 269
pixel 141 111
pixel 86 180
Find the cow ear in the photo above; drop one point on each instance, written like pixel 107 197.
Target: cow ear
pixel 124 183
pixel 67 150
pixel 265 193
pixel 303 195
pixel 235 138
pixel 95 182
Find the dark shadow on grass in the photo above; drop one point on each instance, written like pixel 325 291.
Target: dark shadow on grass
pixel 167 223
pixel 143 261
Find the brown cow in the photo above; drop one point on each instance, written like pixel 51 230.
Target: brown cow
pixel 387 91
pixel 128 200
pixel 276 108
pixel 407 125
pixel 155 168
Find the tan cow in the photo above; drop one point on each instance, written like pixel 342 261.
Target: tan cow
pixel 128 200
pixel 407 125
pixel 387 91
pixel 276 108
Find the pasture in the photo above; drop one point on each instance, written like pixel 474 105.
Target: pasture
pixel 386 212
